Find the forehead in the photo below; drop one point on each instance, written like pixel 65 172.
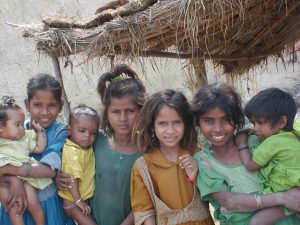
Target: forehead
pixel 84 119
pixel 15 114
pixel 123 102
pixel 215 113
pixel 43 96
pixel 167 112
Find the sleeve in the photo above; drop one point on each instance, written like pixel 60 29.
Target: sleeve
pixel 141 201
pixel 265 151
pixel 31 138
pixel 71 162
pixel 52 154
pixel 208 180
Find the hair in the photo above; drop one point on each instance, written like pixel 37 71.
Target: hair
pixel 7 103
pixel 121 81
pixel 271 104
pixel 84 110
pixel 143 130
pixel 43 81
pixel 222 96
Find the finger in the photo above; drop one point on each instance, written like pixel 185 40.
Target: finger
pixel 10 203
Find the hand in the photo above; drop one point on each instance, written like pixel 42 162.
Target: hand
pixel 64 181
pixel 36 126
pixel 241 138
pixel 85 209
pixel 291 199
pixel 189 164
pixel 17 195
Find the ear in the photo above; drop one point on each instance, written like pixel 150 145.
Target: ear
pixel 68 129
pixel 282 122
pixel 26 101
pixel 2 127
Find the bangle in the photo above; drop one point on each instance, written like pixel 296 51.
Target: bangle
pixel 28 168
pixel 42 130
pixel 258 201
pixel 190 179
pixel 243 148
pixel 77 201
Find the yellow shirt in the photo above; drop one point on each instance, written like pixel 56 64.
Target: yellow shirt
pixel 81 164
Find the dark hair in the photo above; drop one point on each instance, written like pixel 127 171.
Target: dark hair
pixel 84 110
pixel 222 96
pixel 144 126
pixel 43 81
pixel 271 104
pixel 121 81
pixel 7 103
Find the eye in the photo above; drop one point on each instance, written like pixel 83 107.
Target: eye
pixel 81 130
pixel 178 122
pixel 207 120
pixel 162 123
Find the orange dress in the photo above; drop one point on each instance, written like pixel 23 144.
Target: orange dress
pixel 170 186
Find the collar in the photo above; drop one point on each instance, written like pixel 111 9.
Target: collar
pixel 72 144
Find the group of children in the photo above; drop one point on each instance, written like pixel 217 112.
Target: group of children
pixel 143 166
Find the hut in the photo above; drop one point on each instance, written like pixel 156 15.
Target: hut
pixel 235 35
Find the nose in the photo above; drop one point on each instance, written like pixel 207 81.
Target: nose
pixel 170 129
pixel 218 127
pixel 45 111
pixel 123 116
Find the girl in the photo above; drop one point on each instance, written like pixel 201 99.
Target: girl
pixel 122 95
pixel 43 103
pixel 78 159
pixel 272 112
pixel 218 111
pixel 162 185
pixel 15 146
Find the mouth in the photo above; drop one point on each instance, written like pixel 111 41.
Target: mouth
pixel 217 138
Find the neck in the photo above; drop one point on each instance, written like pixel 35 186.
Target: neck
pixel 123 139
pixel 171 153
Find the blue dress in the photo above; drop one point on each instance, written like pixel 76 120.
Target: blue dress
pixel 49 199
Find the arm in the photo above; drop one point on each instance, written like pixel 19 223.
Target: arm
pixel 245 154
pixel 245 202
pixel 85 209
pixel 35 170
pixel 129 220
pixel 41 139
pixel 189 164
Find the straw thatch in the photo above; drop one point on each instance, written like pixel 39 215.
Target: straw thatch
pixel 237 34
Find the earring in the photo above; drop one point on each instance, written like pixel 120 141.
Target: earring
pixel 28 114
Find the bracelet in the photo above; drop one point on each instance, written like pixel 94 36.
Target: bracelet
pixel 258 201
pixel 42 130
pixel 243 148
pixel 190 179
pixel 77 201
pixel 28 168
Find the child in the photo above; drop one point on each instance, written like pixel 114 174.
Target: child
pixel 122 95
pixel 272 112
pixel 79 161
pixel 162 189
pixel 15 146
pixel 223 180
pixel 44 102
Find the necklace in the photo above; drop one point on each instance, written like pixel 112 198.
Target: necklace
pixel 115 143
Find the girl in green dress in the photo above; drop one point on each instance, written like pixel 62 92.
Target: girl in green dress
pixel 222 179
pixel 122 95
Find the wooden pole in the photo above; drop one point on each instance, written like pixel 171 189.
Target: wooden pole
pixel 58 75
pixel 200 73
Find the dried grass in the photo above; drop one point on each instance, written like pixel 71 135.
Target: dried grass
pixel 236 34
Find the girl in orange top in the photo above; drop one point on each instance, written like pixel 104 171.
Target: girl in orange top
pixel 162 186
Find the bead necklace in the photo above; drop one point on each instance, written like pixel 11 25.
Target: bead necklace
pixel 114 142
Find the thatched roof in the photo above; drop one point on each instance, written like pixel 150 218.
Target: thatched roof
pixel 237 34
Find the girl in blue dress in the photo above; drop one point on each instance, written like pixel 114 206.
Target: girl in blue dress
pixel 44 102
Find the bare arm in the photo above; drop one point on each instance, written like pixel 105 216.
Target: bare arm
pixel 41 138
pixel 35 170
pixel 129 220
pixel 234 202
pixel 245 154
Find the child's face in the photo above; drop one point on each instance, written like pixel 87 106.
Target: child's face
pixel 83 130
pixel 14 126
pixel 169 128
pixel 264 128
pixel 121 115
pixel 43 107
pixel 216 128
